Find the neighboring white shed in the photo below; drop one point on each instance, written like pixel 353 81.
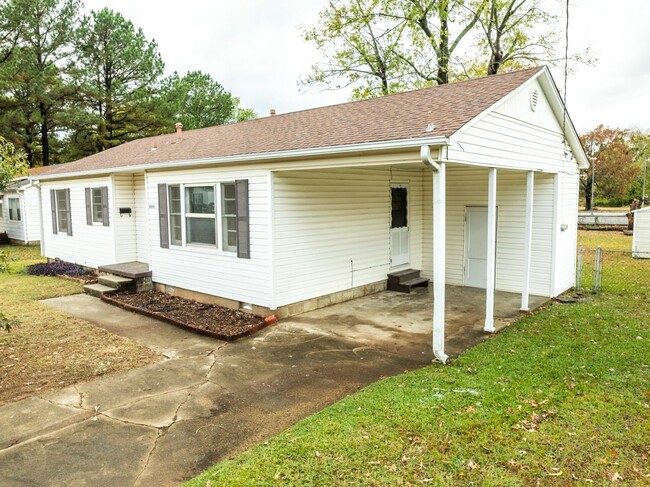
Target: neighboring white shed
pixel 641 238
pixel 19 212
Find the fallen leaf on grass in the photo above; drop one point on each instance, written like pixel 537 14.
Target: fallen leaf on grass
pixel 615 477
pixel 471 465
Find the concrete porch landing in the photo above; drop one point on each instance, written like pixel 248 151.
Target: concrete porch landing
pixel 403 322
pixel 132 270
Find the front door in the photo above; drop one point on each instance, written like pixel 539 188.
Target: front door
pixel 399 230
pixel 476 231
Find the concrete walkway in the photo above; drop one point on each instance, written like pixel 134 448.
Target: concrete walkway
pixel 208 400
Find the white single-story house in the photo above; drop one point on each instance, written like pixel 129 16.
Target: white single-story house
pixel 641 235
pixel 473 183
pixel 20 215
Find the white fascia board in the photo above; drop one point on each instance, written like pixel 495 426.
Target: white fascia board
pixel 555 100
pixel 262 157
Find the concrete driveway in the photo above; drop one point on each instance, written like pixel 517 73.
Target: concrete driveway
pixel 209 400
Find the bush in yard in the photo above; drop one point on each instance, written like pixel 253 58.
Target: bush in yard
pixel 56 268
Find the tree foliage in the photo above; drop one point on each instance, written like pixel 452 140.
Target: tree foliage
pixel 35 78
pixel 12 163
pixel 119 71
pixel 384 46
pixel 72 86
pixel 196 100
pixel 613 169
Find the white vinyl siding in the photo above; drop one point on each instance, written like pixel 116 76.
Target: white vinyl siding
pixel 90 245
pixel 568 192
pixel 641 238
pixel 467 186
pixel 27 229
pixel 207 269
pixel 141 224
pixel 513 136
pixel 123 192
pixel 332 228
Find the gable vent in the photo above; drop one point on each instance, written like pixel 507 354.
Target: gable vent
pixel 534 98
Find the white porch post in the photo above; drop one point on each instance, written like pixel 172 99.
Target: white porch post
pixel 439 261
pixel 491 250
pixel 528 240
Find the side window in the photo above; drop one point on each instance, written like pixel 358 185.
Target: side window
pixel 61 211
pixel 229 216
pixel 14 209
pixel 175 215
pixel 97 206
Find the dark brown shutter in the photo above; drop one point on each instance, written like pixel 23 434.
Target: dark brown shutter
pixel 105 213
pixel 89 206
pixel 68 210
pixel 162 216
pixel 53 205
pixel 243 227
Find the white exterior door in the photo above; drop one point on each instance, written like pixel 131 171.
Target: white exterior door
pixel 476 231
pixel 399 230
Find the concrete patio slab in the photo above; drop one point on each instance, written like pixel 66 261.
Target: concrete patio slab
pixel 166 422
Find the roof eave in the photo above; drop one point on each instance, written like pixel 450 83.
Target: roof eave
pixel 251 158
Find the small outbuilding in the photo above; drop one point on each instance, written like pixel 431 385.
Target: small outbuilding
pixel 641 235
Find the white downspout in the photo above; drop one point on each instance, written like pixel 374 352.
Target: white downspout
pixel 438 255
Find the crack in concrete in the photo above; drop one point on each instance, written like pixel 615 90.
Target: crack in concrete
pixel 162 431
pixel 151 452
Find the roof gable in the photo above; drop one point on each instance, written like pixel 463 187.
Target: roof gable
pixel 438 111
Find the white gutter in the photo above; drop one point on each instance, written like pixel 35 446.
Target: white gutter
pixel 264 156
pixel 438 252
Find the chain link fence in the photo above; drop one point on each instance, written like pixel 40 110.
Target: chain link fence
pixel 613 271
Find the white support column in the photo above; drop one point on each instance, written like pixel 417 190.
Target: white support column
pixel 528 240
pixel 491 250
pixel 439 261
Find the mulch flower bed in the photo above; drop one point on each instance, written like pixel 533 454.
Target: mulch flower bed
pixel 206 319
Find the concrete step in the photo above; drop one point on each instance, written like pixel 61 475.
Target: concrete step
pixel 98 290
pixel 115 282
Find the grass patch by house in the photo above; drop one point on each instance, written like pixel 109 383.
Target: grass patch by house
pixel 49 350
pixel 560 397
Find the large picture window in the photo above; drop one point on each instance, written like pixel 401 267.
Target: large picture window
pixel 14 209
pixel 207 215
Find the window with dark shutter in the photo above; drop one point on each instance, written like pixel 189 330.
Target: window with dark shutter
pixel 68 210
pixel 89 206
pixel 243 228
pixel 105 212
pixel 162 216
pixel 53 207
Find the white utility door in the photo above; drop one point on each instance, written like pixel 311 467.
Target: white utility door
pixel 476 231
pixel 399 230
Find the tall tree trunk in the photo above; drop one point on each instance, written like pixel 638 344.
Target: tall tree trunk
pixel 45 141
pixel 443 46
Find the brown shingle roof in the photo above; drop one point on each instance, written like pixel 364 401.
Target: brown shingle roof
pixel 395 117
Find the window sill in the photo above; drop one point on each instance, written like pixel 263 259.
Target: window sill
pixel 203 249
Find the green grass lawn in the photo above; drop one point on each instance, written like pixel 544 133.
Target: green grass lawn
pixel 560 397
pixel 48 349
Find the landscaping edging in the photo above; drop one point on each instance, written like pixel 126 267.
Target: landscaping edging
pixel 186 326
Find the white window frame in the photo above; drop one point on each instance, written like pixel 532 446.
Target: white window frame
pixel 59 210
pixel 219 246
pixel 17 213
pixel 94 205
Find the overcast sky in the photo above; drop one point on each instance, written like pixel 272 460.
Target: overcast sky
pixel 255 50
